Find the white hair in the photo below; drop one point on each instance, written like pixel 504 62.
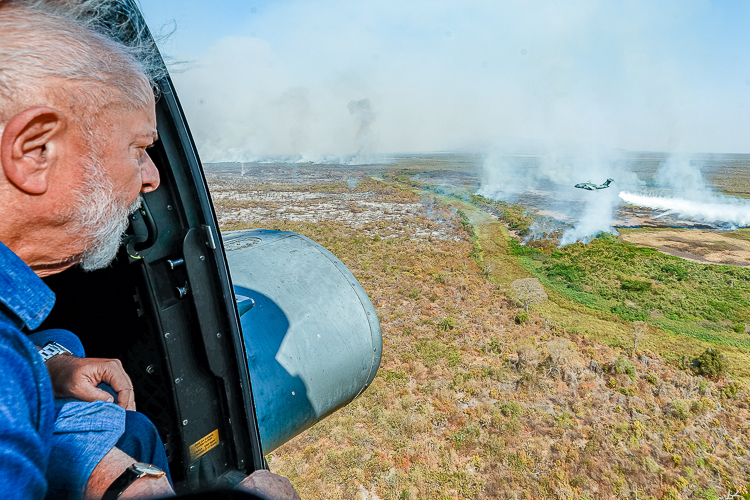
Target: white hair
pixel 48 56
pixel 87 56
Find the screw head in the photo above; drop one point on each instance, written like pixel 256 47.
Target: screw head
pixel 202 257
pixel 218 335
pixel 150 369
pixel 184 422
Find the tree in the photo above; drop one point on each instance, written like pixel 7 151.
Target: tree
pixel 639 331
pixel 529 291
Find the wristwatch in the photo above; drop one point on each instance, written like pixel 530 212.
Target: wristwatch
pixel 131 474
pixel 52 349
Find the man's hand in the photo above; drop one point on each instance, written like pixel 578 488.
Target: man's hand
pixel 77 378
pixel 270 485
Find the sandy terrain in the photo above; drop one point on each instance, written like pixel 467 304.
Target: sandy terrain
pixel 698 246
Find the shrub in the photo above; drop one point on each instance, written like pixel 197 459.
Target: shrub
pixel 711 363
pixel 739 328
pixel 414 294
pixel 671 494
pixel 447 324
pixel 630 313
pixel 568 272
pixel 624 365
pixel 636 285
pixel 676 271
pixel 578 481
pixel 511 409
pixel 680 409
pixel 626 391
pixel 729 391
pixel 676 459
pixel 522 317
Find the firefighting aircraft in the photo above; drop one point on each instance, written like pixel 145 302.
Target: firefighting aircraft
pixel 591 186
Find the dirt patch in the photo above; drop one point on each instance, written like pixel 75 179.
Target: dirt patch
pixel 698 246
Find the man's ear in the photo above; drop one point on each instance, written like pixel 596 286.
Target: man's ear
pixel 28 147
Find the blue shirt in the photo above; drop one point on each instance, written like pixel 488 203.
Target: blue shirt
pixel 27 410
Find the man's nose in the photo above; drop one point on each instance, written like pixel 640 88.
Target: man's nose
pixel 149 174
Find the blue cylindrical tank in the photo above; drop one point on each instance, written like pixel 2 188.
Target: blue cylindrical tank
pixel 312 337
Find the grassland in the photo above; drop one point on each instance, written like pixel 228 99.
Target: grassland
pixel 470 402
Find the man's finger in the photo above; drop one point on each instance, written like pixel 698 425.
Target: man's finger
pixel 126 399
pixel 114 374
pixel 90 393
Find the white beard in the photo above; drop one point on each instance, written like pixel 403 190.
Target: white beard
pixel 100 219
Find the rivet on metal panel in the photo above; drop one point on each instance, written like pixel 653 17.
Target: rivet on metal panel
pixel 218 335
pixel 192 467
pixel 167 335
pixel 202 257
pixel 184 422
pixel 169 207
pixel 178 380
pixel 150 369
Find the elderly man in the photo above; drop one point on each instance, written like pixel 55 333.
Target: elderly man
pixel 76 117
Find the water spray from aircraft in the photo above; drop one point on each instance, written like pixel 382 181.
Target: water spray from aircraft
pixel 721 210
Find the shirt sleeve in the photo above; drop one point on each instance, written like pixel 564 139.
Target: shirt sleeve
pixel 25 418
pixel 84 433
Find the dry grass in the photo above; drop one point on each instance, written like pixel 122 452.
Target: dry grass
pixel 470 404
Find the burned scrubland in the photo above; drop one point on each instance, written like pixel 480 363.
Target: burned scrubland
pixel 474 398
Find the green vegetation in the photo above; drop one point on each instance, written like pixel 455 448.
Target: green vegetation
pixel 711 363
pixel 565 404
pixel 640 284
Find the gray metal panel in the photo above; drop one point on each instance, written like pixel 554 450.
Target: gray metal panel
pixel 313 340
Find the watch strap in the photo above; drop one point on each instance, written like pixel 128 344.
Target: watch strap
pixel 128 477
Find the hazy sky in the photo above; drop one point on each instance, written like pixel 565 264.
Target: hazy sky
pixel 314 79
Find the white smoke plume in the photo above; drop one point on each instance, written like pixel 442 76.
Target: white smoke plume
pixel 546 184
pixel 596 218
pixel 715 210
pixel 275 80
pixel 681 191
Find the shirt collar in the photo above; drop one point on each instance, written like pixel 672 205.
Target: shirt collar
pixel 22 292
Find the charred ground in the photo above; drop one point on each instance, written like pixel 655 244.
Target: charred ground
pixel 474 399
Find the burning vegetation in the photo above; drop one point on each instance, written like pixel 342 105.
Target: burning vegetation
pixel 478 398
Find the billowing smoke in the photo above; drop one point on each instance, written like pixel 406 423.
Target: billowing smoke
pixel 597 216
pixel 276 80
pixel 681 191
pixel 545 183
pixel 682 176
pixel 716 210
pixel 363 115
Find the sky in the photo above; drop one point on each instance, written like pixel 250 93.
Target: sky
pixel 324 80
